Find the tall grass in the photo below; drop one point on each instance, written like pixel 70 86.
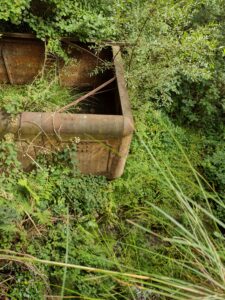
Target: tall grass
pixel 197 239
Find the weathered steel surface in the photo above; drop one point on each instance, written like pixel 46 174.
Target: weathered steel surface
pixel 83 125
pixel 23 57
pixel 102 141
pixel 118 162
pixel 20 60
pixel 78 71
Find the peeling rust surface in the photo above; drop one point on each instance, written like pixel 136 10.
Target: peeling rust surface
pixel 20 61
pixel 78 71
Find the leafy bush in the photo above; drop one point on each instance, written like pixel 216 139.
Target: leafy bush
pixel 214 165
pixel 177 60
pixel 55 18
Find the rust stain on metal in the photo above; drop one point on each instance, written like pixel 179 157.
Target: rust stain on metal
pixel 20 61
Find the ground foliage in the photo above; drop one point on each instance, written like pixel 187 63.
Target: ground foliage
pixel 42 95
pixel 34 210
pixel 174 57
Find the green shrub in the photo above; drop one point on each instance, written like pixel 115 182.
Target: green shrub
pixel 54 18
pixel 177 60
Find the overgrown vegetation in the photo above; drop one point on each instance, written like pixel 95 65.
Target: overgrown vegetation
pixel 41 95
pixel 164 219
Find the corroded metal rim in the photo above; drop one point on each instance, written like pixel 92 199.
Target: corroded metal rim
pixel 82 125
pixel 19 35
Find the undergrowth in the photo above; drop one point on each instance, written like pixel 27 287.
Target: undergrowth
pixel 100 234
pixel 44 94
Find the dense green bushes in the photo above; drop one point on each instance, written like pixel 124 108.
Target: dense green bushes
pixel 178 60
pixel 178 65
pixel 55 18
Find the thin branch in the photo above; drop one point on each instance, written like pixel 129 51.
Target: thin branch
pixel 91 93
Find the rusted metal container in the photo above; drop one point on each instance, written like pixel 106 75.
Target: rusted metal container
pixel 102 138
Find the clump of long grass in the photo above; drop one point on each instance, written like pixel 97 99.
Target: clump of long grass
pixel 198 240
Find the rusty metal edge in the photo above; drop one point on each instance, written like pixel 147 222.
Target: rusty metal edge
pixel 119 160
pixel 97 126
pixel 120 77
pixel 18 35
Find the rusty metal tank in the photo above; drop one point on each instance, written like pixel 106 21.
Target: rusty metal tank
pixel 102 138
